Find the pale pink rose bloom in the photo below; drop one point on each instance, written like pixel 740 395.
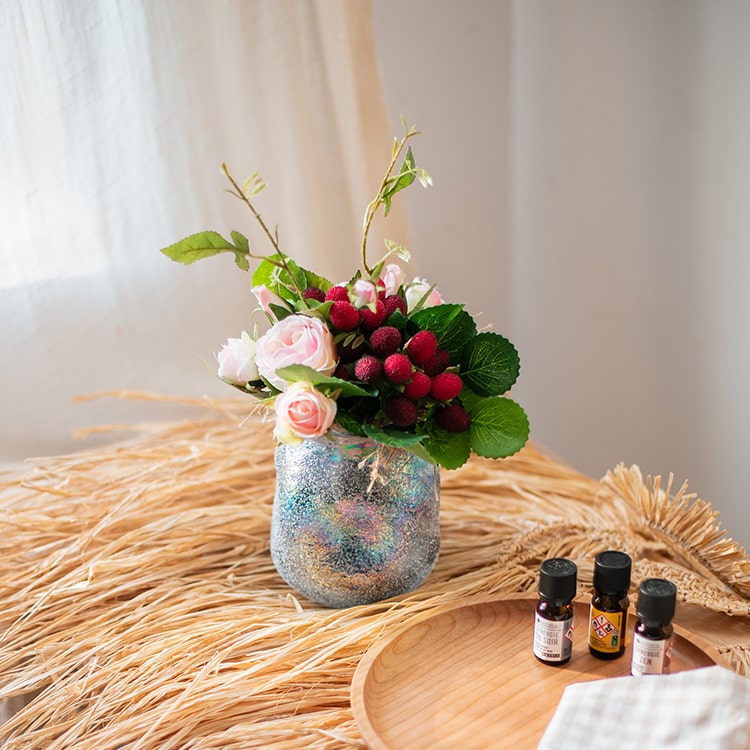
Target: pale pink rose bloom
pixel 416 290
pixel 302 412
pixel 393 278
pixel 364 293
pixel 237 360
pixel 266 298
pixel 295 340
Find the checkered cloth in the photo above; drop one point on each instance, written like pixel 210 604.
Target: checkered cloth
pixel 706 708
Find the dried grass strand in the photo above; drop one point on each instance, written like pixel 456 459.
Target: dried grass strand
pixel 141 607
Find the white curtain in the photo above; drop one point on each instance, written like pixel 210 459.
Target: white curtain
pixel 115 118
pixel 592 177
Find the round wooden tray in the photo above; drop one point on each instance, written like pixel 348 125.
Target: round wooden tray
pixel 466 678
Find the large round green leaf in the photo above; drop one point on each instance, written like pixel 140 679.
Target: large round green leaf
pixel 499 427
pixel 490 364
pixel 449 449
pixel 452 325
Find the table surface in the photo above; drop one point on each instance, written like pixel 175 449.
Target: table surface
pixel 141 608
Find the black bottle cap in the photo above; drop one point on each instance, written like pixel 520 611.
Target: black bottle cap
pixel 612 573
pixel 557 579
pixel 656 601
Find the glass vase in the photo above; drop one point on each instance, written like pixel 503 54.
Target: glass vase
pixel 353 521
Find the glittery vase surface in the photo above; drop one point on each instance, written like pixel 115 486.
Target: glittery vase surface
pixel 353 522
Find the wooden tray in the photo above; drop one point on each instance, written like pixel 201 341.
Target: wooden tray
pixel 466 678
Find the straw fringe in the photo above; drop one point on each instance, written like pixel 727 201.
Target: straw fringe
pixel 141 608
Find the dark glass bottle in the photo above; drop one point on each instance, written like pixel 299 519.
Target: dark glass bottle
pixel 608 619
pixel 652 637
pixel 553 619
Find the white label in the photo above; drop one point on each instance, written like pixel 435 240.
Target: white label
pixel 650 657
pixel 553 639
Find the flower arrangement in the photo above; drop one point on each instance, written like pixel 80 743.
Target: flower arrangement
pixel 380 356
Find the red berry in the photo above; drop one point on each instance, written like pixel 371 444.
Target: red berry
pixel 312 292
pixel 421 347
pixel 401 411
pixel 368 369
pixel 397 368
pixel 342 372
pixel 349 353
pixel 392 303
pixel 338 294
pixel 371 320
pixel 344 316
pixel 385 340
pixel 453 418
pixel 419 386
pixel 446 386
pixel 437 362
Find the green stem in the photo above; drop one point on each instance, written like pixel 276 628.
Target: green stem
pixel 377 201
pixel 281 263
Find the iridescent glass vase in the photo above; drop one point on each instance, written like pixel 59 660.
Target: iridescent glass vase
pixel 353 521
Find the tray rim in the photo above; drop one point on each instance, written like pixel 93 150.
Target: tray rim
pixel 370 734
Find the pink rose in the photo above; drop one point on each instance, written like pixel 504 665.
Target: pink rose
pixel 237 360
pixel 266 298
pixel 364 294
pixel 295 340
pixel 393 278
pixel 416 290
pixel 302 412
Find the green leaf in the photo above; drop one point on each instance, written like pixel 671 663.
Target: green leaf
pixel 325 383
pixel 452 325
pixel 349 424
pixel 201 245
pixel 312 279
pixel 242 253
pixel 449 449
pixel 405 178
pixel 499 427
pixel 396 438
pixel 490 364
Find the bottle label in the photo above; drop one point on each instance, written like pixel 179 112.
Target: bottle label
pixel 606 631
pixel 553 639
pixel 651 657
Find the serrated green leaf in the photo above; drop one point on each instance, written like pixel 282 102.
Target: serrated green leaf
pixel 449 449
pixel 198 246
pixel 452 325
pixel 313 279
pixel 325 383
pixel 490 364
pixel 240 241
pixel 269 274
pixel 499 427
pixel 348 423
pixel 395 438
pixel 395 184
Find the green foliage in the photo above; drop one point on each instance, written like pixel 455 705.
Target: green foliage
pixel 449 449
pixel 325 383
pixel 499 427
pixel 489 364
pixel 207 244
pixel 452 325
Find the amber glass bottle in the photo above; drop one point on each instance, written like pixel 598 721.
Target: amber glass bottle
pixel 608 617
pixel 553 619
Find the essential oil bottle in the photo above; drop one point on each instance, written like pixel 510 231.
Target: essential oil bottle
pixel 553 619
pixel 608 617
pixel 652 638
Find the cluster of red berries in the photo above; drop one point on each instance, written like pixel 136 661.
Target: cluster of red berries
pixel 413 371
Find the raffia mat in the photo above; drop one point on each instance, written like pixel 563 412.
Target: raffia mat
pixel 141 609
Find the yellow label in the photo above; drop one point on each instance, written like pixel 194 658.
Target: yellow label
pixel 606 631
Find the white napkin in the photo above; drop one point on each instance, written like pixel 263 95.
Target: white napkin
pixel 705 709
